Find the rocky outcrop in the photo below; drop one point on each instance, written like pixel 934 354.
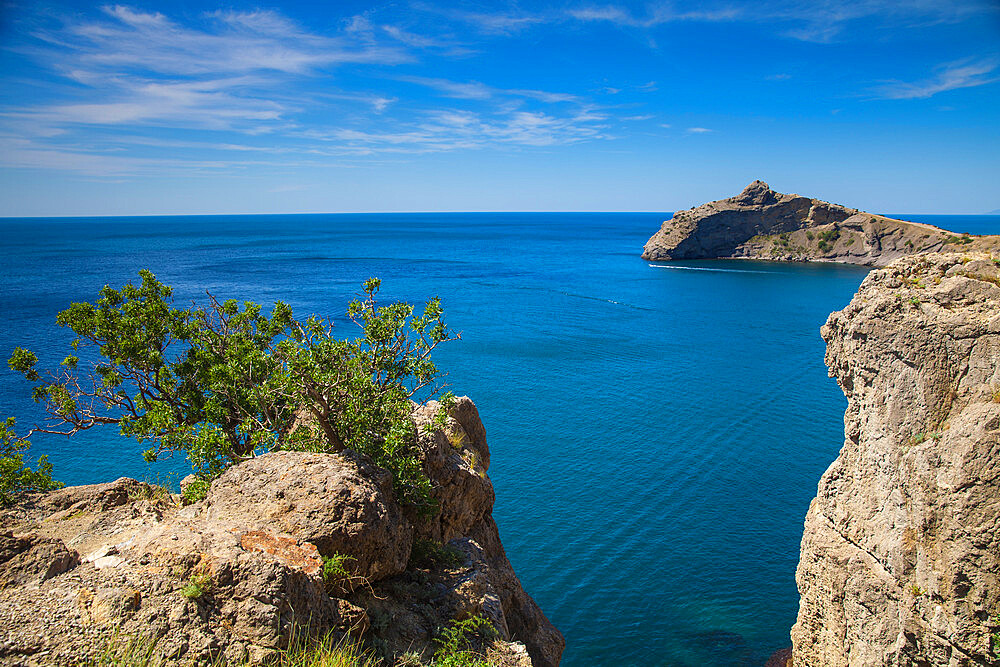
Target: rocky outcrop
pixel 760 223
pixel 900 556
pixel 234 576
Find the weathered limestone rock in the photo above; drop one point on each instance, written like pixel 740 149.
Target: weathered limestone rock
pixel 30 559
pixel 338 504
pixel 760 223
pixel 900 558
pixel 234 575
pixel 456 459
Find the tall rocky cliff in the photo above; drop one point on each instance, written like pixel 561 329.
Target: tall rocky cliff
pixel 760 223
pixel 900 556
pixel 233 577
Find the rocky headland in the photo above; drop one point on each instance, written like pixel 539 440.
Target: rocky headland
pixel 286 543
pixel 760 223
pixel 900 556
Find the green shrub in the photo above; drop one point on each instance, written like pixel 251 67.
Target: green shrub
pixel 427 554
pixel 16 478
pixel 224 382
pixel 455 642
pixel 195 491
pixel 335 572
pixel 197 587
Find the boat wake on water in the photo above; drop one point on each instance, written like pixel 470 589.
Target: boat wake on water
pixel 705 268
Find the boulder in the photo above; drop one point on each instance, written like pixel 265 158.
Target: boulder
pixel 31 559
pixel 342 505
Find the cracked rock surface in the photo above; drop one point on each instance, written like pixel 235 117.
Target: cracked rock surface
pixel 900 555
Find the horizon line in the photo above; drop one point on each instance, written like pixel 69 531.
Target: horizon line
pixel 210 215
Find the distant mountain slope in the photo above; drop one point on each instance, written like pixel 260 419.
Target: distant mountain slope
pixel 760 223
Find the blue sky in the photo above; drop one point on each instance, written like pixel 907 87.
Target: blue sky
pixel 177 108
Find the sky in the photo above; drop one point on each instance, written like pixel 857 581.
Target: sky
pixel 176 108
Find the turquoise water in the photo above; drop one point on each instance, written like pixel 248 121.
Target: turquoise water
pixel 657 430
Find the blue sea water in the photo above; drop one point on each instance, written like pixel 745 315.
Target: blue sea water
pixel 657 430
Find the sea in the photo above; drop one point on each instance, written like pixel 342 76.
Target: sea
pixel 657 429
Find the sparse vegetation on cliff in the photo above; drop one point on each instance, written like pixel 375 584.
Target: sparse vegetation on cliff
pixel 326 651
pixel 455 640
pixel 428 553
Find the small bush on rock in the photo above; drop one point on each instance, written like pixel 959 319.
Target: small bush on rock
pixel 428 554
pixel 195 491
pixel 455 641
pixel 335 570
pixel 198 586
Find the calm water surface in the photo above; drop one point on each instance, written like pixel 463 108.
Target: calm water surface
pixel 657 430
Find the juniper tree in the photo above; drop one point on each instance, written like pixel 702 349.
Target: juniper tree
pixel 225 381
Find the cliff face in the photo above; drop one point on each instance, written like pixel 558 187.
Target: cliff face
pixel 900 556
pixel 233 576
pixel 762 224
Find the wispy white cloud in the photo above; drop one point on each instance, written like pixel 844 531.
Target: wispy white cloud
pixel 656 14
pixel 807 20
pixel 212 104
pixel 827 20
pixel 143 91
pixel 448 129
pixel 698 130
pixel 463 90
pixel 474 90
pixel 496 23
pixel 224 41
pixel 20 152
pixel 950 76
pixel 225 70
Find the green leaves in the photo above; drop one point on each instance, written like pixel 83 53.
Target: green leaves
pixel 24 362
pixel 226 381
pixel 16 478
